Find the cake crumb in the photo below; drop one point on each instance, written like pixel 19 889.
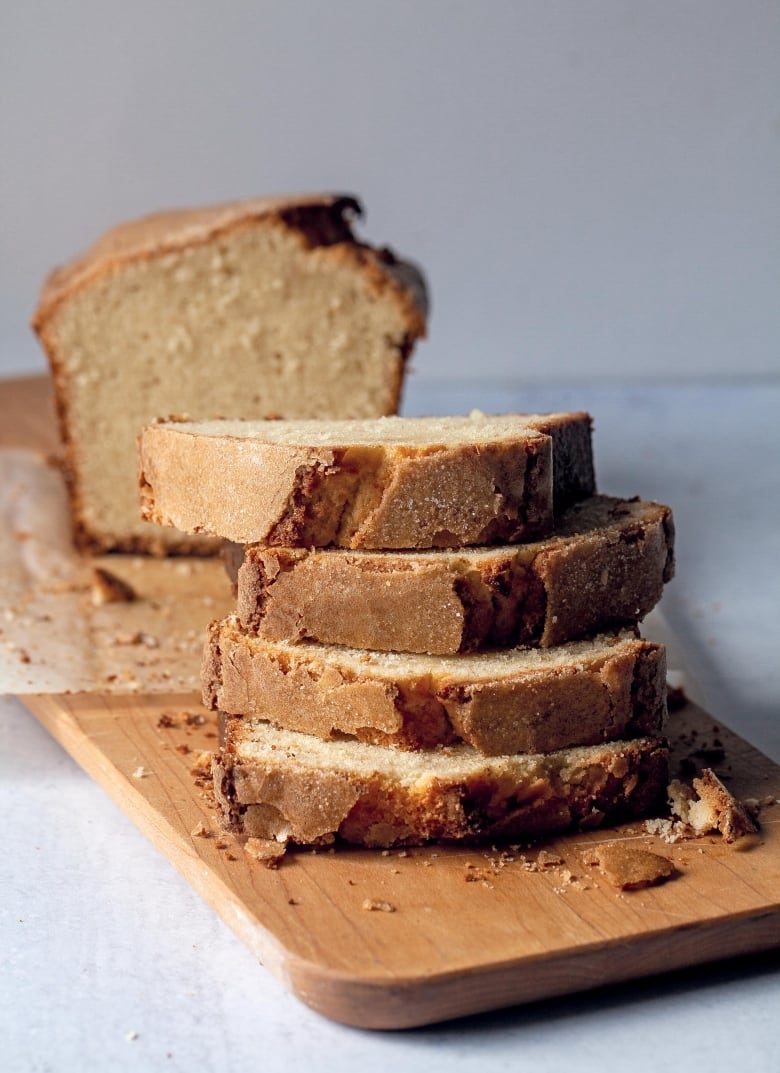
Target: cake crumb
pixel 372 905
pixel 107 588
pixel 201 831
pixel 265 850
pixel 546 859
pixel 141 772
pixel 629 867
pixel 201 764
pixel 676 698
pixel 710 806
pixel 668 830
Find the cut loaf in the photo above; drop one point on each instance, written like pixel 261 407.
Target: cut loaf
pixel 389 483
pixel 605 565
pixel 277 784
pixel 509 701
pixel 251 309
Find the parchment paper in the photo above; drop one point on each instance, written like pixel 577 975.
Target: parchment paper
pixel 55 637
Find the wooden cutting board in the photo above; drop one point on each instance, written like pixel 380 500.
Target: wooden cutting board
pixel 397 939
pixel 469 929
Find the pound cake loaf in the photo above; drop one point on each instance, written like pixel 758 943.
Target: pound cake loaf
pixel 606 565
pixel 251 309
pixel 508 701
pixel 290 787
pixel 388 483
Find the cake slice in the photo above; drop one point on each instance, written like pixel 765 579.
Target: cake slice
pixel 290 787
pixel 508 701
pixel 389 483
pixel 605 565
pixel 252 309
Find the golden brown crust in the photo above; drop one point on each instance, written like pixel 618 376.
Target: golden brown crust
pixel 605 566
pixel 321 219
pixel 289 795
pixel 587 694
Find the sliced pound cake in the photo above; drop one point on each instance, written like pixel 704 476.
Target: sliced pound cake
pixel 507 701
pixel 605 565
pixel 389 483
pixel 290 787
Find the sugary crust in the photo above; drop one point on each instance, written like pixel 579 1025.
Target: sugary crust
pixel 605 566
pixel 291 796
pixel 383 496
pixel 319 220
pixel 613 689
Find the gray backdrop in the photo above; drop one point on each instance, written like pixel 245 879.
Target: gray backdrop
pixel 592 187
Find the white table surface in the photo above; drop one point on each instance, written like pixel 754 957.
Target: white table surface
pixel 110 961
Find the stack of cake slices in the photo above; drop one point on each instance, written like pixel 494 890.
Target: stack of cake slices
pixel 435 635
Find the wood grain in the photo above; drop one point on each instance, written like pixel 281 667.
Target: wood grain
pixel 471 930
pixel 28 418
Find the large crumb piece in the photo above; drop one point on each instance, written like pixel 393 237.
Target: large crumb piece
pixel 372 905
pixel 629 867
pixel 201 764
pixel 107 588
pixel 714 809
pixel 265 850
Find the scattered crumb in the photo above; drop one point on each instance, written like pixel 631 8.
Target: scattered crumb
pixel 676 698
pixel 107 588
pixel 221 843
pixel 201 831
pixel 669 831
pixel 169 720
pixel 629 867
pixel 130 1036
pixel 141 773
pixel 293 901
pixel 710 806
pixel 371 905
pixel 183 748
pixel 201 764
pixel 546 859
pixel 265 850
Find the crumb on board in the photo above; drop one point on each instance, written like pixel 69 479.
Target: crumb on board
pixel 141 772
pixel 628 867
pixel 375 905
pixel 172 720
pixel 710 806
pixel 265 850
pixel 200 830
pixel 107 588
pixel 675 698
pixel 201 764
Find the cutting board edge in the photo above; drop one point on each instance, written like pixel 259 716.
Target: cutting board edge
pixel 398 1004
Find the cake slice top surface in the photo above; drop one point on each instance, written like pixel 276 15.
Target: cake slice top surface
pixel 431 432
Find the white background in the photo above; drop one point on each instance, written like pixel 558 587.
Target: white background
pixel 593 187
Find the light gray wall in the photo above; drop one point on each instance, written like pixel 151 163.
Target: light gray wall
pixel 592 185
